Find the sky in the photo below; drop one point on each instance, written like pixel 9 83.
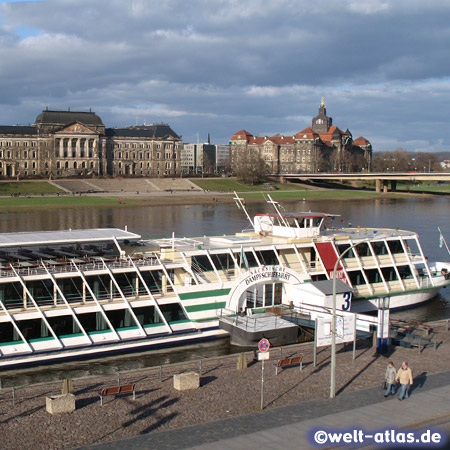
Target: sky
pixel 219 66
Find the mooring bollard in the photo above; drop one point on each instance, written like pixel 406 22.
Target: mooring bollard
pixel 118 378
pixel 201 366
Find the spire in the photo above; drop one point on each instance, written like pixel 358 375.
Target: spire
pixel 322 103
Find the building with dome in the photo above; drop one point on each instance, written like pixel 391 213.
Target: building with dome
pixel 73 143
pixel 322 147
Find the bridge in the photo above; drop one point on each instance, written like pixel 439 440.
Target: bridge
pixel 382 179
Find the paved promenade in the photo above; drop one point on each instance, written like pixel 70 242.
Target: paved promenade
pixel 288 427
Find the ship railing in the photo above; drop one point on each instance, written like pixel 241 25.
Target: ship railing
pixel 253 322
pixel 66 265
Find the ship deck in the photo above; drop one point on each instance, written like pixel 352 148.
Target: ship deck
pixel 249 239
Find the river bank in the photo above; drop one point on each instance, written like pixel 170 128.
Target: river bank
pixel 175 198
pixel 224 392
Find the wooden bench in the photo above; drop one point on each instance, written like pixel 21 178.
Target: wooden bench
pixel 117 390
pixel 288 363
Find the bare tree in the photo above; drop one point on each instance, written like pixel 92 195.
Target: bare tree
pixel 425 162
pixel 249 166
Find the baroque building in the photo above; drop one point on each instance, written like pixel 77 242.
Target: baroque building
pixel 320 147
pixel 72 143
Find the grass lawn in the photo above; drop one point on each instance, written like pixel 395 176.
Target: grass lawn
pixel 444 188
pixel 28 188
pixel 14 203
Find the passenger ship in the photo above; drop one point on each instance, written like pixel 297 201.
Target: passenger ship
pixel 83 293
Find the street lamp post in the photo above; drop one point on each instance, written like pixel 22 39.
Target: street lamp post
pixel 333 322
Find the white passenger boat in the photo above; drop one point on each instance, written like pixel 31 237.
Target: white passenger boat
pixel 82 293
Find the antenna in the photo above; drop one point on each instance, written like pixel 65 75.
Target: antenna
pixel 241 205
pixel 275 205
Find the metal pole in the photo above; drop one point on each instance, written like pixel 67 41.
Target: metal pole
pixel 354 339
pixel 262 384
pixel 333 322
pixel 315 344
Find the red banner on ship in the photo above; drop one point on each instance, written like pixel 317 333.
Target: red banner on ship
pixel 328 255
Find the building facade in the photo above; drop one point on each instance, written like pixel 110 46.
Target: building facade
pixel 206 158
pixel 68 143
pixel 320 147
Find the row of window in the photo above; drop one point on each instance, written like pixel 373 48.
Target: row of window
pixel 67 326
pixel 25 154
pixel 18 144
pixel 126 155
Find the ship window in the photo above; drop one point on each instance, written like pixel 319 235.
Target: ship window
pixel 317 221
pixel 8 333
pixel 246 259
pixel 41 291
pixel 405 272
pixel 92 322
pixel 379 248
pixel 356 277
pixel 201 262
pixel 373 276
pixel 100 285
pixel 121 318
pixel 222 261
pixel 33 329
pixel 153 279
pixel 389 273
pixel 395 246
pixel 147 315
pixel 64 326
pixel 268 294
pixel 363 249
pixel 172 312
pixel 72 289
pixel 11 294
pixel 127 284
pixel 267 257
pixel 341 248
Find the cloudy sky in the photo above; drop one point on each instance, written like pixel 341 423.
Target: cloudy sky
pixel 217 66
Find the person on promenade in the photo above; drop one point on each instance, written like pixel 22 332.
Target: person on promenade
pixel 405 376
pixel 390 379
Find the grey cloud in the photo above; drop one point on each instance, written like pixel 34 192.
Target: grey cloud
pixel 221 65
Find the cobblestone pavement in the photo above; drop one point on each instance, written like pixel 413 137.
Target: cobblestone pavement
pixel 225 393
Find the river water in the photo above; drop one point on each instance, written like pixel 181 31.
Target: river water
pixel 420 215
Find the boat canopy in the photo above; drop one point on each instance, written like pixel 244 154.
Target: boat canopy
pixel 65 237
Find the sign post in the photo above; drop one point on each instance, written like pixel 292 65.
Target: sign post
pixel 263 347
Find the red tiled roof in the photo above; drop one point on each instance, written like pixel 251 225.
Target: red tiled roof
pixel 333 133
pixel 241 136
pixel 307 133
pixel 361 142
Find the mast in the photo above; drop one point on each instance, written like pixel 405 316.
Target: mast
pixel 275 205
pixel 241 205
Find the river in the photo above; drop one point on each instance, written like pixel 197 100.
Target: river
pixel 422 215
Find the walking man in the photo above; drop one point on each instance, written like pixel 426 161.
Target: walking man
pixel 390 379
pixel 405 376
